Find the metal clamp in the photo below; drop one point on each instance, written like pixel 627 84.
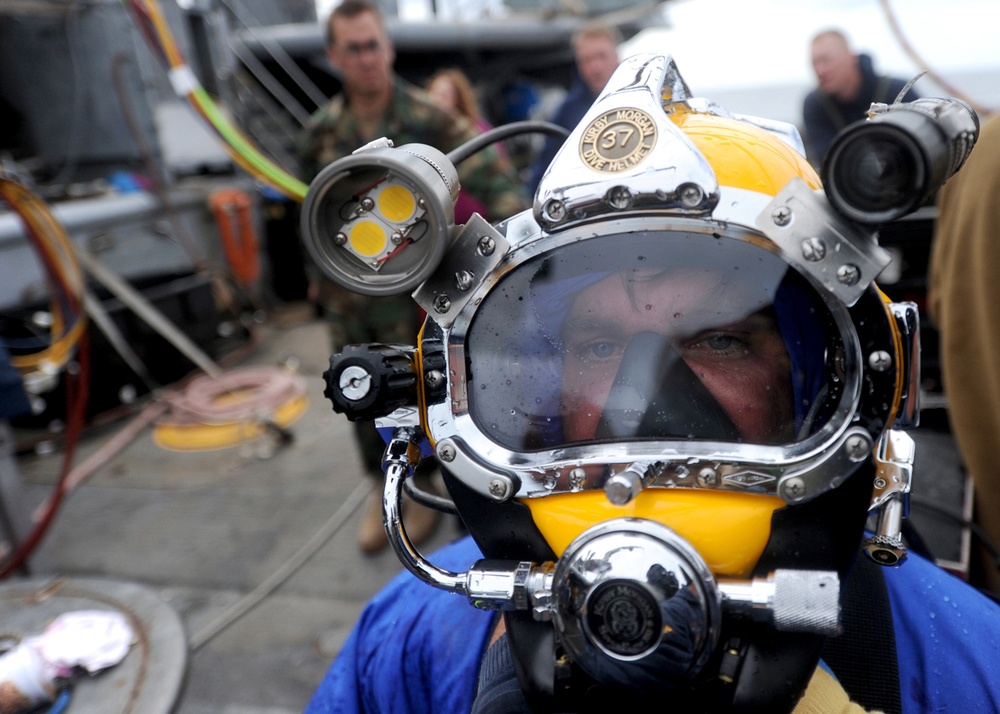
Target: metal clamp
pixel 890 497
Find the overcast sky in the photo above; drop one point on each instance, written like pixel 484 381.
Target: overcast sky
pixel 729 43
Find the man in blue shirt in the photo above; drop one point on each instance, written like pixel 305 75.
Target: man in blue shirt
pixel 595 47
pixel 847 86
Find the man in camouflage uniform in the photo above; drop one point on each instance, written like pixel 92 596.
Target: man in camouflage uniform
pixel 376 103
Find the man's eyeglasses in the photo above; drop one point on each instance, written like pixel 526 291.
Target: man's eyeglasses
pixel 356 49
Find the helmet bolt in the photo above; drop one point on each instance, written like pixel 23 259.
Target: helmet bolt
pixel 442 303
pixel 691 195
pixel 576 478
pixel 813 249
pixel 434 378
pixel 782 216
pixel 499 488
pixel 620 198
pixel 879 360
pixel 848 274
pixel 487 245
pixel 708 477
pixel 857 448
pixel 793 489
pixel 622 487
pixel 554 211
pixel 446 451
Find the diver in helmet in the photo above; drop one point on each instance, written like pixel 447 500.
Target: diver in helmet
pixel 670 405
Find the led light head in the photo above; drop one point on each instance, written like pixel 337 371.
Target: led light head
pixel 378 221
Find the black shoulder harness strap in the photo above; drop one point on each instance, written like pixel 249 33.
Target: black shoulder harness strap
pixel 864 656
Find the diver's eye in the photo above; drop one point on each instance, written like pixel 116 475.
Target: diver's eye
pixel 717 344
pixel 720 342
pixel 598 351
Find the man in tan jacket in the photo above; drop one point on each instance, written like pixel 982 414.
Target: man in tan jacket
pixel 964 303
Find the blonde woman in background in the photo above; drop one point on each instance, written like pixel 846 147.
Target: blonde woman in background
pixel 451 90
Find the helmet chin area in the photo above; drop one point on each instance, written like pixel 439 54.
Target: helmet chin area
pixel 728 530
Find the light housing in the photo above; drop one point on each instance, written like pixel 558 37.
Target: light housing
pixel 378 221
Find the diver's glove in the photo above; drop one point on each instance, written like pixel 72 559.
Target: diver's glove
pixel 824 695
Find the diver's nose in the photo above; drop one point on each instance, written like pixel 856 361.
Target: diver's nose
pixel 655 394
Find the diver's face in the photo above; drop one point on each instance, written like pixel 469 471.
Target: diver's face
pixel 741 359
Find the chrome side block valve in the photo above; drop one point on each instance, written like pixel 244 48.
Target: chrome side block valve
pixel 890 497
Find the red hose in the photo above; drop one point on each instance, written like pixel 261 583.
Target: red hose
pixel 77 394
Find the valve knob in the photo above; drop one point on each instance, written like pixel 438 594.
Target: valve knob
pixel 886 550
pixel 366 382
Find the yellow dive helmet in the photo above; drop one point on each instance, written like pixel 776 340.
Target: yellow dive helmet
pixel 663 399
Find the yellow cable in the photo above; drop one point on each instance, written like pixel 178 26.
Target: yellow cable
pixel 53 241
pixel 240 149
pixel 50 235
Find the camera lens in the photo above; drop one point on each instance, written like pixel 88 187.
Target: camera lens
pixel 876 176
